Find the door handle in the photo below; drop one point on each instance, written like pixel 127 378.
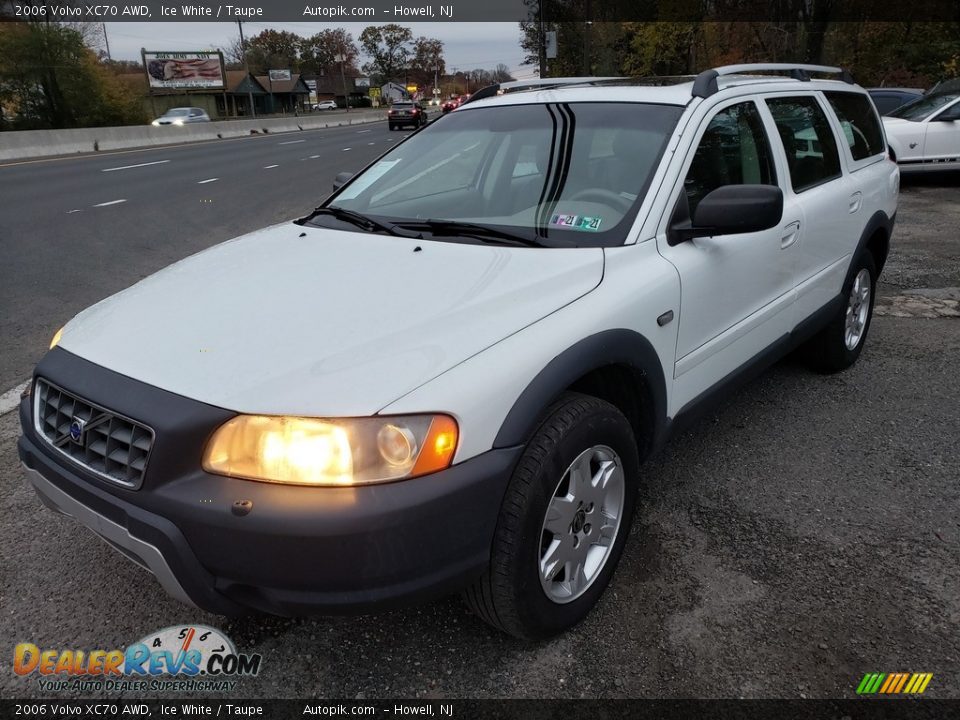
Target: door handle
pixel 790 234
pixel 856 200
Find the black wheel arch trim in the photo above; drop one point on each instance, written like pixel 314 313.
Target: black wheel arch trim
pixel 878 221
pixel 609 347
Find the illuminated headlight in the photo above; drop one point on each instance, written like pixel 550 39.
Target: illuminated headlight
pixel 310 451
pixel 56 338
pixel 156 123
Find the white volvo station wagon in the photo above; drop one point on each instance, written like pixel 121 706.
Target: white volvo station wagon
pixel 446 377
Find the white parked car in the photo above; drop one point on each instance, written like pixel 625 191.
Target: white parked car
pixel 447 377
pixel 925 134
pixel 325 105
pixel 182 116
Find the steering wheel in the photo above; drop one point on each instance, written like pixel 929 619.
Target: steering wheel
pixel 603 196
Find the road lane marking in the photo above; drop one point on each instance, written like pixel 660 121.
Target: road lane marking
pixel 345 149
pixel 112 202
pixel 314 157
pixel 11 398
pixel 130 167
pixel 209 180
pixel 291 142
pixel 156 148
pixel 71 212
pixel 371 143
pixel 268 167
pixel 361 132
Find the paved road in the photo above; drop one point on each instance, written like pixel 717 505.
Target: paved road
pixel 803 535
pixel 76 230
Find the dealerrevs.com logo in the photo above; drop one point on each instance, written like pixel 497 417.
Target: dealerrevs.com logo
pixel 178 658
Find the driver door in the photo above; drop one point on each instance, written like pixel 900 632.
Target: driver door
pixel 942 141
pixel 737 291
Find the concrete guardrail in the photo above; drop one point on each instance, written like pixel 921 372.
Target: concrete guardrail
pixel 21 144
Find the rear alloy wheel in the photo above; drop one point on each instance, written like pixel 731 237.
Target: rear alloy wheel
pixel 838 345
pixel 563 522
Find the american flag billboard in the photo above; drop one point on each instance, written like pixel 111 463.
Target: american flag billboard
pixel 184 70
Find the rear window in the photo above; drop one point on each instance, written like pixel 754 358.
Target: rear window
pixel 859 122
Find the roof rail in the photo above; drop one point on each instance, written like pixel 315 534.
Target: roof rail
pixel 535 84
pixel 705 84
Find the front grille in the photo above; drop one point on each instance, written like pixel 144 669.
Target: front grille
pixel 109 445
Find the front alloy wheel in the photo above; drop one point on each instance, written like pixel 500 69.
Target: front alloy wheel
pixel 563 522
pixel 581 524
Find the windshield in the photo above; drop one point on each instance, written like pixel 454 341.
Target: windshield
pixel 177 112
pixel 922 108
pixel 558 174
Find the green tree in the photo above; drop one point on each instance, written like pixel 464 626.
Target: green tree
pixel 427 60
pixel 274 50
pixel 319 53
pixel 50 79
pixel 388 47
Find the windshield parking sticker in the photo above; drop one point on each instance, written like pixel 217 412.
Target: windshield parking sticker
pixel 576 222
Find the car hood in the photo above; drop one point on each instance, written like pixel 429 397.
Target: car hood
pixel 308 321
pixel 895 124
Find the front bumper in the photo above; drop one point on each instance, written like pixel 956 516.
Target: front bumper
pixel 298 550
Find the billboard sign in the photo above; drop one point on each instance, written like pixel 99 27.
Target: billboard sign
pixel 184 70
pixel 279 75
pixel 361 82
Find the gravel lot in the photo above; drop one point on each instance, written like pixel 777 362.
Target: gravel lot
pixel 805 534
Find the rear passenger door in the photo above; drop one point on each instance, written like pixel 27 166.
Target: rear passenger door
pixel 829 203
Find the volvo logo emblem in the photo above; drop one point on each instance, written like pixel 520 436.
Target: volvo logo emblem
pixel 76 430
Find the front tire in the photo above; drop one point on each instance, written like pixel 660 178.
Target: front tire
pixel 563 523
pixel 838 345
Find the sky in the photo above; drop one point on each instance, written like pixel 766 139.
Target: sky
pixel 466 46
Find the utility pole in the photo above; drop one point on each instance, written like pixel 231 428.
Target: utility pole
pixel 343 79
pixel 106 41
pixel 586 41
pixel 542 44
pixel 243 49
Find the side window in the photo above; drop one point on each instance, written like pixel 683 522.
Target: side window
pixel 807 140
pixel 733 151
pixel 886 103
pixel 859 123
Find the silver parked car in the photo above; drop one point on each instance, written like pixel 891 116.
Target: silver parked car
pixel 181 116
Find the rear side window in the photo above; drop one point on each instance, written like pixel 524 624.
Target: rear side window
pixel 859 122
pixel 733 151
pixel 808 141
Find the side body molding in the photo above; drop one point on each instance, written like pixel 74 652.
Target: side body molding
pixel 610 347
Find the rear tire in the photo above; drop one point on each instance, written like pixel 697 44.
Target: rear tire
pixel 840 343
pixel 563 523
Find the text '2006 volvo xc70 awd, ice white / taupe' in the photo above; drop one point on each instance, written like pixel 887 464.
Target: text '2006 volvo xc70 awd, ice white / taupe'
pixel 447 376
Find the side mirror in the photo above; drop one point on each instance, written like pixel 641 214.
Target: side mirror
pixel 341 179
pixel 729 210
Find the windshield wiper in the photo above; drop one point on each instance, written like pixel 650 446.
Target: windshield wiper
pixel 361 221
pixel 484 233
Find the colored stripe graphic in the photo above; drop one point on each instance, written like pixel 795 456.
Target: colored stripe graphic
pixel 894 683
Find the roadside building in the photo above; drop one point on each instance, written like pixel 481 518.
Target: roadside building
pixel 285 96
pixel 350 86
